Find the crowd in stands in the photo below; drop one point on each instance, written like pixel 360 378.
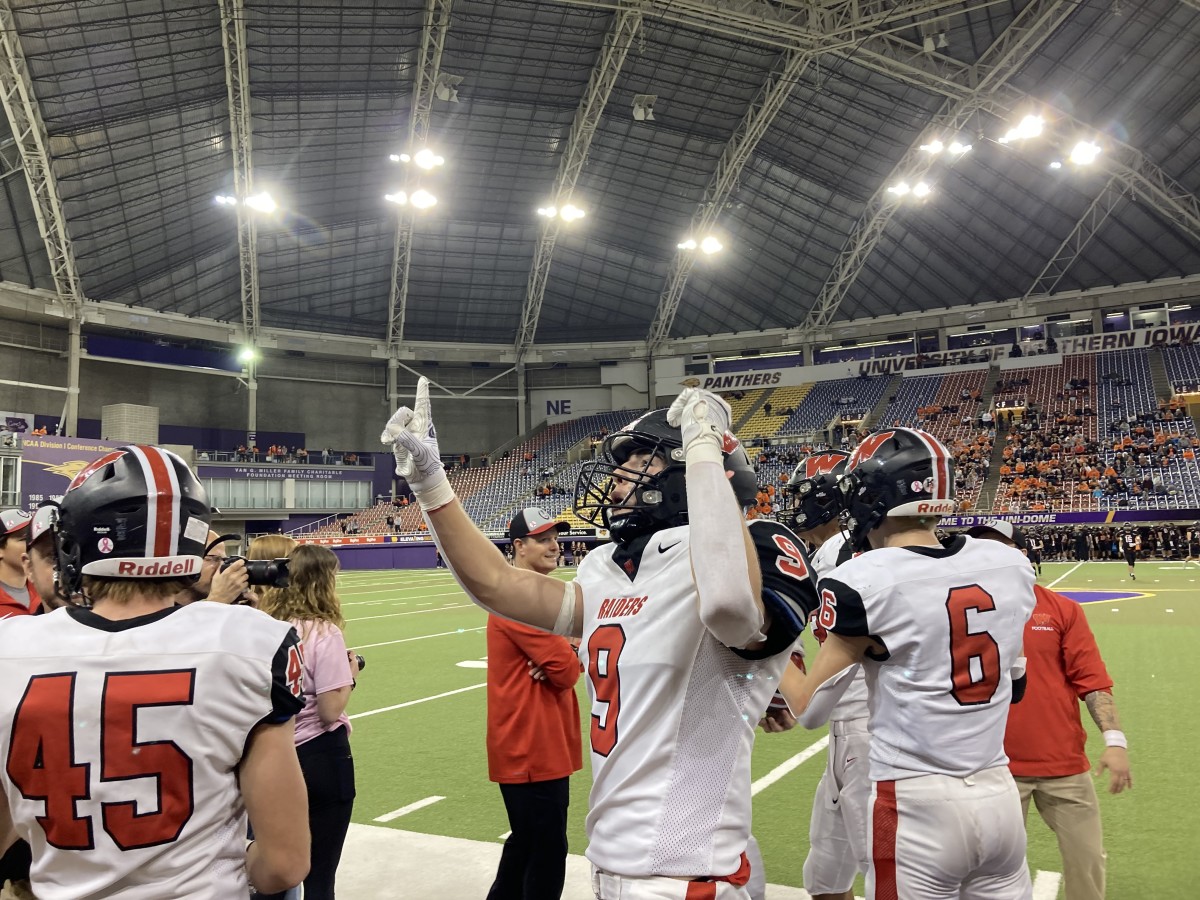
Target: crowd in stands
pixel 1064 543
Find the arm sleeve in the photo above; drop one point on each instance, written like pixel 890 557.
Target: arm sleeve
pixel 789 588
pixel 549 652
pixel 325 656
pixel 287 681
pixel 1081 657
pixel 725 582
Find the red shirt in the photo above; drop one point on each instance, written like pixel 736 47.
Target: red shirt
pixel 1045 738
pixel 533 731
pixel 9 606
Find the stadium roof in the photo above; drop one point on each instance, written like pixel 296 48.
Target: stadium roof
pixel 775 125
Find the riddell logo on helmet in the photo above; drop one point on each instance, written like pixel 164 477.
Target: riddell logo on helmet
pixel 937 507
pixel 133 569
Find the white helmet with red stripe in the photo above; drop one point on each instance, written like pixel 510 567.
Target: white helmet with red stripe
pixel 137 512
pixel 896 472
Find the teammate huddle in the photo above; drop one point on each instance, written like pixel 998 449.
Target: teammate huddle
pixel 688 623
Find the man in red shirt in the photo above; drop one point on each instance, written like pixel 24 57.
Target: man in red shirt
pixel 1045 738
pixel 17 596
pixel 533 735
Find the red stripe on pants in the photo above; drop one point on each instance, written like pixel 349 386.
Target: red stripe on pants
pixel 701 890
pixel 884 821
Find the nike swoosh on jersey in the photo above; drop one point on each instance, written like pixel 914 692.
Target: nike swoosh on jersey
pixel 662 549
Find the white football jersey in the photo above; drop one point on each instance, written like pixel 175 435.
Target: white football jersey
pixel 673 710
pixel 853 703
pixel 951 619
pixel 125 736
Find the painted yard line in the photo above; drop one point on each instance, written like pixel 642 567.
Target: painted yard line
pixel 789 765
pixel 506 836
pixel 385 599
pixel 419 638
pixel 1045 885
pixel 1060 578
pixel 408 703
pixel 405 810
pixel 413 612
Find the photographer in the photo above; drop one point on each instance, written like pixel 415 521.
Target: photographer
pixel 220 585
pixel 311 605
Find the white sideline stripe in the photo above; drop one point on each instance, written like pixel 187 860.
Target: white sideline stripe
pixel 383 709
pixel 1060 578
pixel 788 766
pixel 505 836
pixel 1045 885
pixel 385 599
pixel 405 810
pixel 419 638
pixel 411 612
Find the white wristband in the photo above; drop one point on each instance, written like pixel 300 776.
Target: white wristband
pixel 1115 738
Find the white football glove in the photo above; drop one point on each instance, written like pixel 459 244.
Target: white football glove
pixel 705 419
pixel 413 440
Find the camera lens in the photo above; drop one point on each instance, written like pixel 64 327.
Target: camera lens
pixel 362 663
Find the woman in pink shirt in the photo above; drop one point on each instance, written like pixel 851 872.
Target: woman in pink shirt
pixel 311 604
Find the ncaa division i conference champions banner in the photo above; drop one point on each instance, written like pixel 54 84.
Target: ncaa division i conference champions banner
pixel 49 463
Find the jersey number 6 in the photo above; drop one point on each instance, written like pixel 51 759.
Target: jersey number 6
pixel 604 652
pixel 41 758
pixel 966 646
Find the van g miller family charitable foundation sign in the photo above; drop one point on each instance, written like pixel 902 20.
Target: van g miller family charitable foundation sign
pixel 271 472
pixel 48 464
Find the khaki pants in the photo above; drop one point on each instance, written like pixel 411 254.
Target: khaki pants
pixel 1070 807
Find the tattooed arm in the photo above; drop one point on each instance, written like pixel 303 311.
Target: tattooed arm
pixel 1103 710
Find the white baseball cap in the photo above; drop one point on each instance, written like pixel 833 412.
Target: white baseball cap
pixel 13 520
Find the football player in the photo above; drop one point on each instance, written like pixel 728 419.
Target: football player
pixel 41 559
pixel 938 630
pixel 686 618
pixel 1130 545
pixel 837 831
pixel 143 732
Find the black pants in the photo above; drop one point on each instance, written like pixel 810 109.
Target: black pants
pixel 329 776
pixel 533 865
pixel 15 863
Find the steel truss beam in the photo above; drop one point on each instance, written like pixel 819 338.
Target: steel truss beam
pixel 617 41
pixel 433 42
pixel 738 151
pixel 237 84
pixel 1028 31
pixel 33 144
pixel 1081 235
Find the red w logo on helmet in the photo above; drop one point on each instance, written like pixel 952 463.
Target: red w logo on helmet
pixel 870 446
pixel 93 467
pixel 822 464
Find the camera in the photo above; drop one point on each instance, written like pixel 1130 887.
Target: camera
pixel 263 572
pixel 362 663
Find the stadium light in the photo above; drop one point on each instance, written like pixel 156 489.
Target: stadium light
pixel 933 148
pixel 394 157
pixel 901 189
pixel 548 212
pixel 957 148
pixel 225 200
pixel 422 199
pixel 570 213
pixel 400 198
pixel 1056 165
pixel 689 244
pixel 711 245
pixel 921 189
pixel 427 159
pixel 247 355
pixel 1029 127
pixel 1084 153
pixel 261 202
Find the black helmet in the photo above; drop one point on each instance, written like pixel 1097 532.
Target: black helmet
pixel 812 495
pixel 898 472
pixel 137 512
pixel 660 500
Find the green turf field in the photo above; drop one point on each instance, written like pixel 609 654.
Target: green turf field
pixel 419 718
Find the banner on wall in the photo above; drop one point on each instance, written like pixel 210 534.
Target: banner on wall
pixel 49 463
pixel 1097 517
pixel 270 472
pixel 17 422
pixel 1127 340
